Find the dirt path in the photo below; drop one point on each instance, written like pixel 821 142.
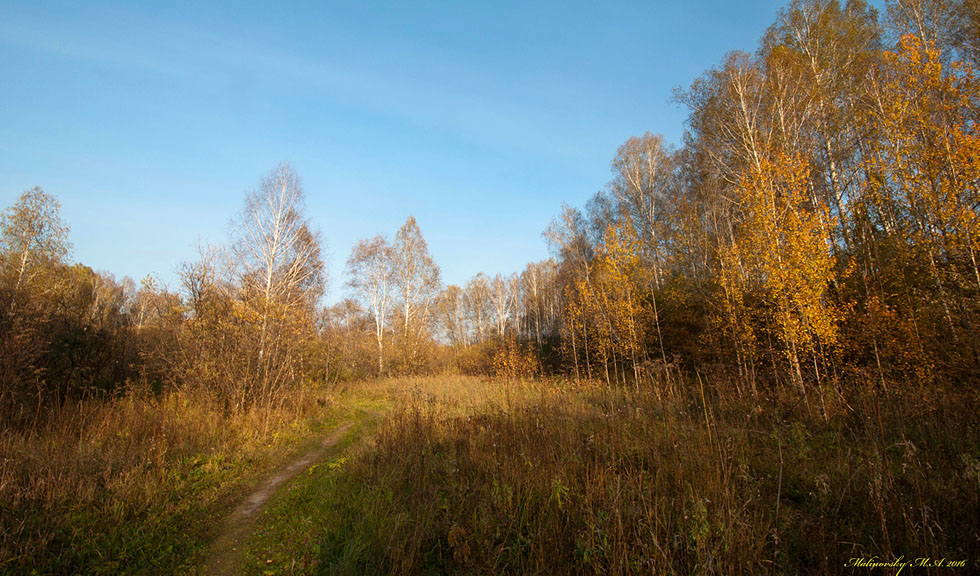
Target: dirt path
pixel 225 555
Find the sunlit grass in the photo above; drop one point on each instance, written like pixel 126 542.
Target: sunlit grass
pixel 138 484
pixel 561 478
pixel 467 475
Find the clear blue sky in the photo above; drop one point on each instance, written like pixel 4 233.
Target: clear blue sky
pixel 150 122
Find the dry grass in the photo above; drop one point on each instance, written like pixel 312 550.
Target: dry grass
pixel 135 482
pixel 479 477
pixel 560 478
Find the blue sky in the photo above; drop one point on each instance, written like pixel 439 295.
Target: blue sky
pixel 149 122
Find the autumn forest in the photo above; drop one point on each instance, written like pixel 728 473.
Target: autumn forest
pixel 754 351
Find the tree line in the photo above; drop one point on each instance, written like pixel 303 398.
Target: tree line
pixel 817 228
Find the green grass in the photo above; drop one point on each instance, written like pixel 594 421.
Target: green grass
pixel 286 540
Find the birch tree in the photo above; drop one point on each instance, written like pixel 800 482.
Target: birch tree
pixel 278 274
pixel 33 245
pixel 276 251
pixel 416 276
pixel 476 302
pixel 502 301
pixel 451 316
pixel 372 278
pixel 32 235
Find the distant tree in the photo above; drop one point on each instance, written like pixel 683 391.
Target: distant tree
pixel 536 283
pixel 33 247
pixel 372 278
pixel 64 330
pixel 502 299
pixel 276 251
pixel 253 305
pixel 347 342
pixel 451 316
pixel 476 302
pixel 156 316
pixel 32 236
pixel 416 278
pixel 643 176
pixel 569 239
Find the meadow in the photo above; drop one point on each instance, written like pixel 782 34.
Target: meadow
pixel 466 475
pixel 469 476
pixel 140 483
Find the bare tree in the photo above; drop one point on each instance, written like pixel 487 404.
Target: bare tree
pixel 451 316
pixel 372 278
pixel 502 300
pixel 537 282
pixel 277 254
pixel 477 305
pixel 417 280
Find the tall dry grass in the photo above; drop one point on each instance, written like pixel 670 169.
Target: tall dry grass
pixel 566 478
pixel 134 484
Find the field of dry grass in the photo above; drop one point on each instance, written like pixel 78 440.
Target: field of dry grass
pixel 138 483
pixel 570 478
pixel 466 475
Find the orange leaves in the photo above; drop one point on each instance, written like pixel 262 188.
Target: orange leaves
pixel 927 166
pixel 779 259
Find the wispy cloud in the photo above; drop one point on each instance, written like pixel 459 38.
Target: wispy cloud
pixel 437 92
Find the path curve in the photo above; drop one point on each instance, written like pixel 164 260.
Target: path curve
pixel 225 555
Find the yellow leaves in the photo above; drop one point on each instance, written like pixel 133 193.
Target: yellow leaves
pixel 928 161
pixel 779 256
pixel 607 306
pixel 242 312
pixel 515 361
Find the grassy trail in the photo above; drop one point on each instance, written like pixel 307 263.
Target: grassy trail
pixel 302 524
pixel 144 484
pixel 224 556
